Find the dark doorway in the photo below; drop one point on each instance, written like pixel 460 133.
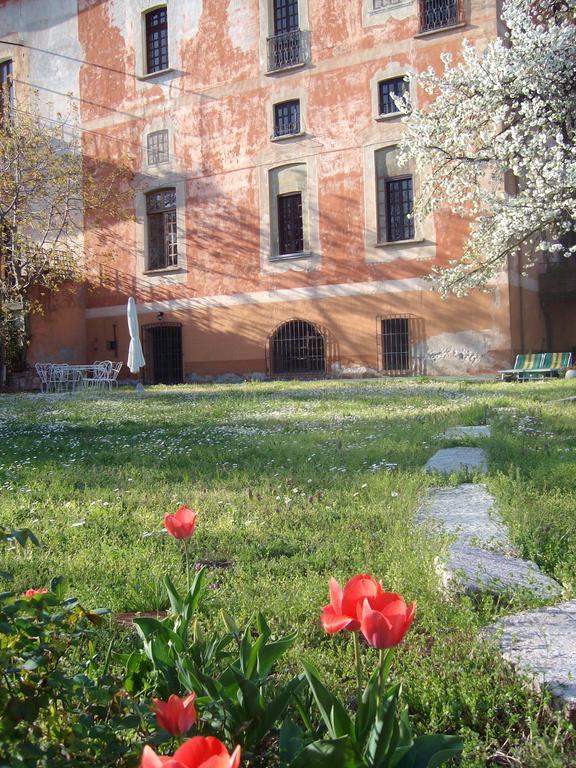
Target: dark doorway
pixel 297 347
pixel 163 353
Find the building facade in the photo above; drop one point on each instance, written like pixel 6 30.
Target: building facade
pixel 271 228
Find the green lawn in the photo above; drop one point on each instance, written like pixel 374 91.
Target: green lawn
pixel 295 482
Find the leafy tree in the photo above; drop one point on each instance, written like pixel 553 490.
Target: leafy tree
pixel 496 141
pixel 50 190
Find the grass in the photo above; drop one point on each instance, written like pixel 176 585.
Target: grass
pixel 296 482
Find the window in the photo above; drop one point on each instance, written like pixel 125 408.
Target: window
pixel 397 86
pixel 297 346
pixel 290 230
pixel 156 40
pixel 394 196
pixel 437 14
pixel 162 229
pixel 285 16
pixel 287 118
pixel 158 151
pixel 285 47
pixel 6 88
pixel 396 344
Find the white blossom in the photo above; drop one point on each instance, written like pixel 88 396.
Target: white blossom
pixel 495 142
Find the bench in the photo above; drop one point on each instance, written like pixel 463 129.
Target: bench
pixel 537 365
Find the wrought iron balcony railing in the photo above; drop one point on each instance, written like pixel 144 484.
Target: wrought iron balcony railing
pixel 285 50
pixel 438 14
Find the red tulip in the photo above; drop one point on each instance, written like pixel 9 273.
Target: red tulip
pixel 181 523
pixel 199 752
pixel 176 715
pixel 344 611
pixel 32 592
pixel 386 619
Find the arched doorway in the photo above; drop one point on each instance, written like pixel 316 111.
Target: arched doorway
pixel 297 347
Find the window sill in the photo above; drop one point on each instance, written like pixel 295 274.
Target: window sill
pixel 388 8
pixel 272 72
pixel 152 75
pixel 438 31
pixel 389 116
pixel 286 136
pixel 392 243
pixel 291 256
pixel 162 271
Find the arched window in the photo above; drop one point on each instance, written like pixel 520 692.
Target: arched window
pixel 297 346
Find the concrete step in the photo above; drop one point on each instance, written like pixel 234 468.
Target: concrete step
pixel 456 433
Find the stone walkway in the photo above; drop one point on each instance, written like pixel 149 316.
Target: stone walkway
pixel 542 643
pixel 448 460
pixel 482 558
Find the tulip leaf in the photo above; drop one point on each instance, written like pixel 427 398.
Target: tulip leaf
pixel 431 751
pixel 290 741
pixel 192 599
pixel 367 709
pixel 249 697
pixel 270 654
pixel 332 710
pixel 173 596
pixel 337 753
pixel 405 738
pixel 384 733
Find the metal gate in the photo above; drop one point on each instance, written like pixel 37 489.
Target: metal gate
pixel 401 345
pixel 297 347
pixel 163 353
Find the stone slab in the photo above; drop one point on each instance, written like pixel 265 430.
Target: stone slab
pixel 467 511
pixel 454 433
pixel 542 643
pixel 448 460
pixel 471 569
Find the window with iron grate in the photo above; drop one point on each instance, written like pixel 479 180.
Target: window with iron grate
pixel 287 118
pixel 290 229
pixel 395 86
pixel 158 151
pixel 162 229
pixel 157 40
pixel 396 344
pixel 438 14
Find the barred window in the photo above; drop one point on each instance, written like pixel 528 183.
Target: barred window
pixel 162 228
pixel 157 40
pixel 6 88
pixel 396 86
pixel 290 229
pixel 287 118
pixel 158 151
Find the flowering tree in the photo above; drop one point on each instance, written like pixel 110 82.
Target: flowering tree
pixel 497 141
pixel 49 192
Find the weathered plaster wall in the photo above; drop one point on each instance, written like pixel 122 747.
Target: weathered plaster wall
pixel 217 101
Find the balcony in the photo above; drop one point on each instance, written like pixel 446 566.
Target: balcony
pixel 440 14
pixel 557 279
pixel 286 50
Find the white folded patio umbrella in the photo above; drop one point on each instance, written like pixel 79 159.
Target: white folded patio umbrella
pixel 135 354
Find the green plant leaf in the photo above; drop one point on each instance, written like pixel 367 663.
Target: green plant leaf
pixel 332 710
pixel 192 599
pixel 59 586
pixel 431 751
pixel 269 654
pixel 366 710
pixel 337 753
pixel 384 732
pixel 290 742
pixel 173 596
